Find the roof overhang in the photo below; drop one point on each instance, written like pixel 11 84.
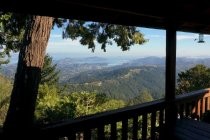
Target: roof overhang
pixel 189 17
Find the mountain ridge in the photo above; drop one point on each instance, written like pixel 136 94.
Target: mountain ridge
pixel 122 80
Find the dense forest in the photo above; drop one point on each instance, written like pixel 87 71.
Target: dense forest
pixel 124 80
pixel 122 83
pixel 59 101
pixel 70 89
pixel 5 91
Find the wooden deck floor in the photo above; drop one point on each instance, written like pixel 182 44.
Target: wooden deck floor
pixel 192 130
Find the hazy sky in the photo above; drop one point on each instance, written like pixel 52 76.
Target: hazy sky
pixel 60 48
pixel 186 46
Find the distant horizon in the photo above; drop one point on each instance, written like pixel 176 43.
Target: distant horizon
pixel 187 47
pixel 156 46
pixel 60 56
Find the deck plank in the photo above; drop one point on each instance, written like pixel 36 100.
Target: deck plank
pixel 192 129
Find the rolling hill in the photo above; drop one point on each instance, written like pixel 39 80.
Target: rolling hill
pixel 123 79
pixel 122 83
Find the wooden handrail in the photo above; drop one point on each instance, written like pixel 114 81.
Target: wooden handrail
pixel 191 96
pixel 193 104
pixel 86 124
pixel 107 117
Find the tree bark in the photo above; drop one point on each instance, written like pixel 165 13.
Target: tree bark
pixel 20 116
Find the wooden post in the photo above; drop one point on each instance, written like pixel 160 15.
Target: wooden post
pixel 171 113
pixel 199 108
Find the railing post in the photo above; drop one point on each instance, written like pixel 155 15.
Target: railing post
pixel 135 127
pixel 101 134
pixel 171 113
pixel 144 127
pixel 125 129
pixel 208 105
pixel 113 130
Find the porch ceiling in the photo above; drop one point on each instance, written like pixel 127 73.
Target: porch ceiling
pixel 184 16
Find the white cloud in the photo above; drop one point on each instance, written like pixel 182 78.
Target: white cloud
pixel 156 36
pixel 55 36
pixel 187 37
pixel 64 42
pixel 179 37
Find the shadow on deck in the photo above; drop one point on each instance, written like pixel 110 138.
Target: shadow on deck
pixel 187 129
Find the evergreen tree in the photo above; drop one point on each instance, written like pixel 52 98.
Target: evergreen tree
pixel 144 96
pixel 193 79
pixel 49 74
pixel 5 91
pixel 52 107
pixel 34 33
pixel 3 60
pixel 10 38
pixel 91 103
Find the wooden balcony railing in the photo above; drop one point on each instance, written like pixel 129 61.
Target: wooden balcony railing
pixel 133 122
pixel 144 121
pixel 194 104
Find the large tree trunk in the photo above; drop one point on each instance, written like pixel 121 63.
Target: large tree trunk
pixel 20 115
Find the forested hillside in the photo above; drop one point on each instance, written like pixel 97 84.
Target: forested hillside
pixel 77 87
pixel 120 79
pixel 122 83
pixel 5 91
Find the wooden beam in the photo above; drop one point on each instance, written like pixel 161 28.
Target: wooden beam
pixel 170 64
pixel 191 17
pixel 170 116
